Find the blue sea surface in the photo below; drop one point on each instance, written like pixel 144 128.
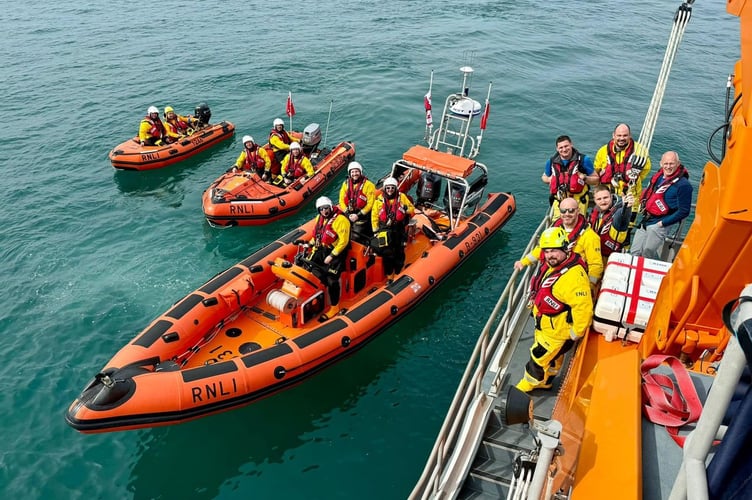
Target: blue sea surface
pixel 90 255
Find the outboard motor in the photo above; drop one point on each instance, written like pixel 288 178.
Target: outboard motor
pixel 311 138
pixel 429 187
pixel 202 114
pixel 457 193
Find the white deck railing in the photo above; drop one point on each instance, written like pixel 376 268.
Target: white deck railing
pixel 495 344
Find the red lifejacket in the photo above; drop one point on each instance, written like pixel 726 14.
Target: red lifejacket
pixel 653 199
pixel 602 226
pixel 284 137
pixel 178 126
pixel 616 168
pixel 566 176
pixel 157 129
pixel 542 285
pixel 295 165
pixel 253 160
pixel 579 227
pixel 324 234
pixel 392 210
pixel 354 195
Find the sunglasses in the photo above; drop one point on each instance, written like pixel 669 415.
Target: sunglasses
pixel 568 210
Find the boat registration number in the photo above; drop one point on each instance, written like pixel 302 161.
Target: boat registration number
pixel 474 240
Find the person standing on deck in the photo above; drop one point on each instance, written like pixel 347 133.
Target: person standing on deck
pixel 568 173
pixel 612 164
pixel 356 197
pixel 665 202
pixel 562 308
pixel 389 218
pixel 581 239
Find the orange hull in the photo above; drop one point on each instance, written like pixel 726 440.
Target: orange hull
pixel 231 342
pixel 236 200
pixel 130 155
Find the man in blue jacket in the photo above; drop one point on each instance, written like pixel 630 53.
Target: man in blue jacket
pixel 665 202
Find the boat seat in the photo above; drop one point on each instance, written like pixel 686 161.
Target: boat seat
pixel 359 258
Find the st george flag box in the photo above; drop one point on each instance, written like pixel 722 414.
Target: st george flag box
pixel 627 295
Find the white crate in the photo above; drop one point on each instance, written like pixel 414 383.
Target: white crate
pixel 627 295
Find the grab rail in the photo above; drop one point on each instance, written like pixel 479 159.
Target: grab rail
pixel 471 385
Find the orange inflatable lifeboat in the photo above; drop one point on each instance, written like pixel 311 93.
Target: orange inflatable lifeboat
pixel 243 199
pixel 131 155
pixel 255 328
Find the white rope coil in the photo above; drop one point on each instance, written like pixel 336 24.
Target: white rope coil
pixel 280 301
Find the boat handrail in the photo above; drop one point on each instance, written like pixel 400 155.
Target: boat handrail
pixel 455 211
pixel 499 328
pixel 502 322
pixel 692 474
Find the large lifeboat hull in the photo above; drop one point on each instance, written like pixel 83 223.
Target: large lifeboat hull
pixel 228 344
pixel 131 155
pixel 238 199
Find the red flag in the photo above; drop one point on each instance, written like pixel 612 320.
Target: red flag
pixel 290 105
pixel 427 105
pixel 484 118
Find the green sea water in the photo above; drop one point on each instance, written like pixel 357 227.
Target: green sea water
pixel 91 255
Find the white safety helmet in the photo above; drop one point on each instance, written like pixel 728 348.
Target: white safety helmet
pixel 278 121
pixel 354 165
pixel 294 145
pixel 323 202
pixel 152 109
pixel 247 138
pixel 391 181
